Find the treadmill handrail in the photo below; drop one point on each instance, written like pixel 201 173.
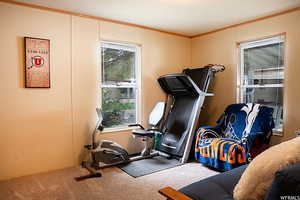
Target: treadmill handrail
pixel 200 92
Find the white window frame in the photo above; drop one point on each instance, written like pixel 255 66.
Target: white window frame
pixel 240 75
pixel 136 85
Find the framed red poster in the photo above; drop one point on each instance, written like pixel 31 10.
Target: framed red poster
pixel 37 63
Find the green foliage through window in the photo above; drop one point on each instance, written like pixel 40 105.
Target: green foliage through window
pixel 118 65
pixel 118 86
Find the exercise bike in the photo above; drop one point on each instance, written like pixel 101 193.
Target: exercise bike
pixel 105 153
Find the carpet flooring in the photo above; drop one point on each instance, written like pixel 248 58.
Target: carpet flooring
pixel 113 185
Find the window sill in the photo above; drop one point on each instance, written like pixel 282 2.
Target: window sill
pixel 117 129
pixel 278 132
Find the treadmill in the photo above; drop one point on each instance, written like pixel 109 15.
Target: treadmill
pixel 187 91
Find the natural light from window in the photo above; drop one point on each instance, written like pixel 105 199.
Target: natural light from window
pixel 120 84
pixel 261 78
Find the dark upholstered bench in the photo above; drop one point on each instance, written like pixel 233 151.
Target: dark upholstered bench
pixel 215 187
pixel 221 186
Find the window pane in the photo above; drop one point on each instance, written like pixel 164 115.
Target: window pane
pixel 119 106
pixel 263 65
pixel 118 66
pixel 272 97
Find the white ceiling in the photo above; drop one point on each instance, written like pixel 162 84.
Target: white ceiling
pixel 188 17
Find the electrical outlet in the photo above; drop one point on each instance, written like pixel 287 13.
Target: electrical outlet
pixel 297 133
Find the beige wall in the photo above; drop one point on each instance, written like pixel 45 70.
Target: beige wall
pixel 35 124
pixel 85 73
pixel 220 47
pixel 44 129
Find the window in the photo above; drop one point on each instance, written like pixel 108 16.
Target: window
pixel 262 74
pixel 120 84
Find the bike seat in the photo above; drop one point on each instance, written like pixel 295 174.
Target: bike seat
pixel 141 132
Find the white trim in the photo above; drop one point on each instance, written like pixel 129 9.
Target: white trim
pixel 138 81
pixel 135 85
pixel 263 42
pixel 277 131
pixel 120 86
pixel 241 85
pixel 240 75
pixel 99 72
pixel 117 45
pixel 272 68
pixel 242 67
pixel 263 86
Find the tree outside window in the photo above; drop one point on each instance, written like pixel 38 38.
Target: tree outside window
pixel 119 84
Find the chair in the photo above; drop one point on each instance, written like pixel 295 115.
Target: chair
pixel 242 132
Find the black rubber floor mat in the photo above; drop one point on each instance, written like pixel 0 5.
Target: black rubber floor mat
pixel 149 166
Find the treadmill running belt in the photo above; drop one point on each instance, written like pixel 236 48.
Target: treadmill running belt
pixel 149 166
